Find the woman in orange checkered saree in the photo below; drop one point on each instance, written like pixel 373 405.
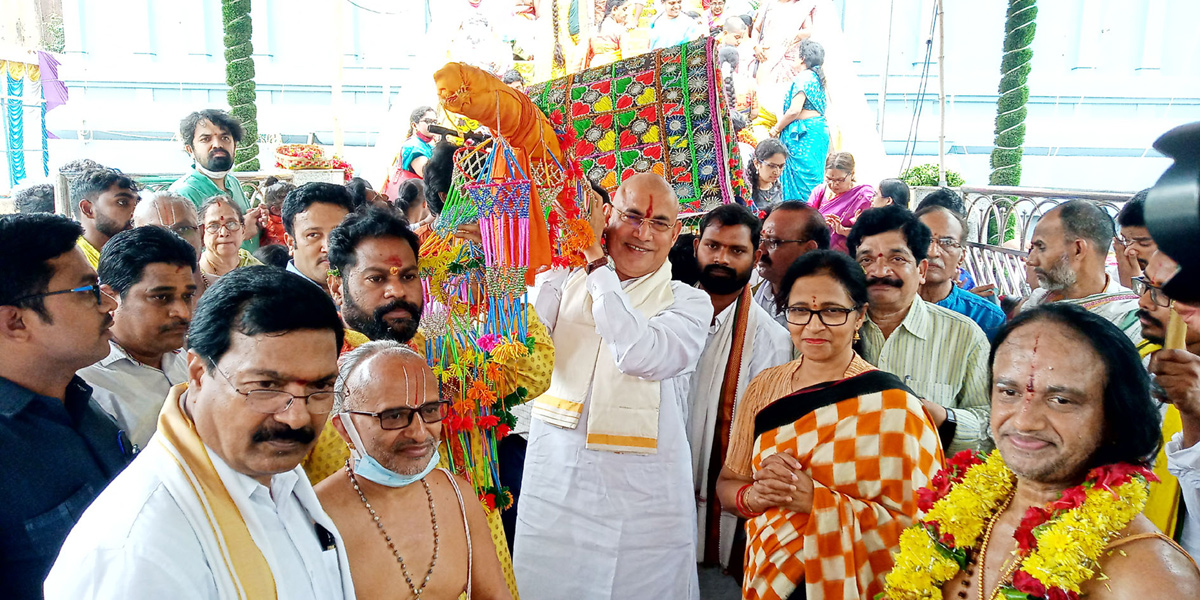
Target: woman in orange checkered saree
pixel 826 452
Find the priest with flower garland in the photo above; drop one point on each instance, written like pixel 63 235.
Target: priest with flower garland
pixel 1055 511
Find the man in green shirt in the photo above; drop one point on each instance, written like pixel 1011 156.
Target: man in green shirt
pixel 209 137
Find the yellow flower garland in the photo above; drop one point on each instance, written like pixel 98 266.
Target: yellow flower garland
pixel 1068 546
pixel 923 565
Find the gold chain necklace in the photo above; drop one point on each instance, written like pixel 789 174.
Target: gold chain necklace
pixel 387 538
pixel 984 548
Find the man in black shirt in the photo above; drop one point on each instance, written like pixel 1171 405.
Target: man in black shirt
pixel 58 449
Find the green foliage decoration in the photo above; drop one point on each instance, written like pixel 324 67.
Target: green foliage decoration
pixel 239 76
pixel 927 175
pixel 1019 28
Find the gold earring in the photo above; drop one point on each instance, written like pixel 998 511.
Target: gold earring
pixel 856 338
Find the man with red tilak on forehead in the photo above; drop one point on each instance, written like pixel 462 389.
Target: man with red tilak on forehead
pixel 373 280
pixel 1055 511
pixel 607 506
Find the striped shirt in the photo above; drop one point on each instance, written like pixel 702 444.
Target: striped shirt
pixel 943 357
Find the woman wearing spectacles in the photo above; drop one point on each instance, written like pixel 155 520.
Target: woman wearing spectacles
pixel 825 443
pixel 221 230
pixel 841 198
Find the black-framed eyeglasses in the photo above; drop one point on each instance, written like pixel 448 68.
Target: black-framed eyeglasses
pixel 428 121
pixel 1141 286
pixel 948 243
pixel 773 244
pixel 838 180
pixel 636 222
pixel 273 402
pixel 230 226
pixel 773 166
pixel 829 317
pixel 399 418
pixel 93 289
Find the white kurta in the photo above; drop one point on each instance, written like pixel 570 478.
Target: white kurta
pixel 135 541
pixel 767 345
pixel 600 525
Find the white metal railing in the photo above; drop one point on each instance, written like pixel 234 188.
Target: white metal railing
pixel 1001 221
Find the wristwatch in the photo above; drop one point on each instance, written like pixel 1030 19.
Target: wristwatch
pixel 596 264
pixel 948 428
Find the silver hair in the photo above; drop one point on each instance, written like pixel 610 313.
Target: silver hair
pixel 150 202
pixel 357 356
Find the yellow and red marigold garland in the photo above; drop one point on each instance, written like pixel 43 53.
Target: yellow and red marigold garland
pixel 1058 545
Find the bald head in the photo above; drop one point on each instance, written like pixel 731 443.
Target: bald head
pixel 642 225
pixel 408 377
pixel 172 211
pixel 649 187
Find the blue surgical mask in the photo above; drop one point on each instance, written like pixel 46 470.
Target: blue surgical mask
pixel 365 465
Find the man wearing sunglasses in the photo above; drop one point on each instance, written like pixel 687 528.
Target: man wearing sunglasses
pixel 58 449
pixel 403 517
pixel 217 506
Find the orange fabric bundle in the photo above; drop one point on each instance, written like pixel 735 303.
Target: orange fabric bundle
pixel 478 95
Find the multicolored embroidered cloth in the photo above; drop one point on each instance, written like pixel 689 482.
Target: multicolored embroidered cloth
pixel 664 112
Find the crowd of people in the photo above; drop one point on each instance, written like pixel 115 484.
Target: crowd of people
pixel 226 398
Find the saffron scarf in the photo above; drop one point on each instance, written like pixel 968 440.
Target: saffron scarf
pixel 239 567
pixel 623 414
pixel 869 446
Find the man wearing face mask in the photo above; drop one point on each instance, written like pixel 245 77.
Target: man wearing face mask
pixel 216 506
pixel 210 137
pixel 743 340
pixel 940 354
pixel 385 502
pixel 374 281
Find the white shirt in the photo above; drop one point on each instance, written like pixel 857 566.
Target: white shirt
pixel 764 297
pixel 134 542
pixel 1184 463
pixel 131 392
pixel 624 524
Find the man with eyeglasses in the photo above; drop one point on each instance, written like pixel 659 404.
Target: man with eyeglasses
pixel 103 201
pixel 949 229
pixel 58 448
pixel 791 229
pixel 217 506
pixel 1068 252
pixel 309 213
pixel 150 272
pixel 406 522
pixel 174 212
pixel 940 354
pixel 607 494
pixel 1133 244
